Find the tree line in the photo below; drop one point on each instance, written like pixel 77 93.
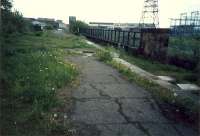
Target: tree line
pixel 12 21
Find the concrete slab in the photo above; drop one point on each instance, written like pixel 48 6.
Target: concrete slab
pixel 189 87
pixel 102 78
pixel 86 91
pixel 185 130
pixel 167 78
pixel 97 111
pixel 142 110
pixel 160 129
pixel 123 91
pixel 119 130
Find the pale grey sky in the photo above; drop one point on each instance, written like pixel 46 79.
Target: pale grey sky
pixel 123 11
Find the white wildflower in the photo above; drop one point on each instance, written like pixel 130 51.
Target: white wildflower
pixel 55 115
pixel 72 131
pixel 65 116
pixel 175 94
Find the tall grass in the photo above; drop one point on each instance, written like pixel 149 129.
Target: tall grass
pixel 103 55
pixel 185 47
pixel 31 75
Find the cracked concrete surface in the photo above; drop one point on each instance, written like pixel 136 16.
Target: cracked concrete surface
pixel 108 105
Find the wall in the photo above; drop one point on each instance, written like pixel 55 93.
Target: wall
pixel 154 43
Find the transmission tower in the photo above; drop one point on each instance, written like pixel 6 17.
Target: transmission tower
pixel 150 16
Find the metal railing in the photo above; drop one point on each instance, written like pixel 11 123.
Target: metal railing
pixel 129 39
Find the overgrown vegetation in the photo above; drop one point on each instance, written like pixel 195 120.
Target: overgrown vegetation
pixel 77 26
pixel 159 69
pixel 171 105
pixel 185 47
pixel 12 22
pixel 33 71
pixel 104 55
pixel 51 39
pixel 185 51
pixel 178 108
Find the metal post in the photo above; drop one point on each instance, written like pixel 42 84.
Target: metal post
pixel 123 38
pixel 119 37
pixel 128 38
pixel 115 36
pixel 111 35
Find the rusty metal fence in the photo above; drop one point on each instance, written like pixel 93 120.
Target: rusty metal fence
pixel 149 42
pixel 129 39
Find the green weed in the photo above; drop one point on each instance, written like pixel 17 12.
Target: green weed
pixel 104 55
pixel 32 74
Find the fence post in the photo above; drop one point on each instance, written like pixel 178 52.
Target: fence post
pixel 111 36
pixel 107 35
pixel 101 34
pixel 104 35
pixel 119 36
pixel 128 38
pixel 115 36
pixel 123 39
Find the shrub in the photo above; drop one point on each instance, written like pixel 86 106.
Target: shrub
pixel 104 55
pixel 12 22
pixel 39 33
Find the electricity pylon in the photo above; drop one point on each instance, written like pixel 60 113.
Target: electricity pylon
pixel 150 17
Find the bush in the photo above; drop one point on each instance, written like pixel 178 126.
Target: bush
pixel 104 55
pixel 38 33
pixel 76 26
pixel 12 22
pixel 49 27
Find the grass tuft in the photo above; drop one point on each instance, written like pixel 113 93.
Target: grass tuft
pixel 104 55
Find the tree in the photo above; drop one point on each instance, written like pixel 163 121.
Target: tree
pixel 76 26
pixel 11 21
pixel 6 5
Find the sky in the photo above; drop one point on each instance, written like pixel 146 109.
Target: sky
pixel 117 11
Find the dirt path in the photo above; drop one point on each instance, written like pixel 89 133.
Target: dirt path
pixel 108 105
